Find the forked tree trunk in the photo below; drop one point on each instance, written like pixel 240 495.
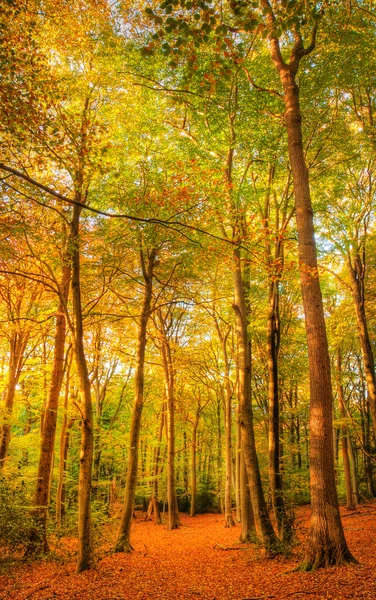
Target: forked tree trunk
pixel 350 501
pixel 123 543
pixel 264 528
pixel 326 544
pixel 38 539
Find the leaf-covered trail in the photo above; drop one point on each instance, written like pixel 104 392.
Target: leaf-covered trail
pixel 189 563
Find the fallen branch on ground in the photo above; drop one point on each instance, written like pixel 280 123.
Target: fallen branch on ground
pixel 216 545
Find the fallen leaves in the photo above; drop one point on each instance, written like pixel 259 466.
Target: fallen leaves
pixel 189 563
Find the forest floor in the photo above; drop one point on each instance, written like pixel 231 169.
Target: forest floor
pixel 200 561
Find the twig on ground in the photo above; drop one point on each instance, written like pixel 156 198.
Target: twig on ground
pixel 216 545
pixel 34 590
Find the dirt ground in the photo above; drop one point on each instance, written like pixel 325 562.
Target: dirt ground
pixel 201 560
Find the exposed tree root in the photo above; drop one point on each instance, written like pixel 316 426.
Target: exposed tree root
pixel 124 546
pixel 325 558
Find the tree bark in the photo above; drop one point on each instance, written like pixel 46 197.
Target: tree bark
pixel 38 538
pixel 154 505
pixel 327 544
pixel 264 528
pixel 169 373
pixel 18 342
pixel 123 540
pixel 85 544
pixel 64 446
pixel 350 501
pixel 194 468
pixel 273 342
pixel 247 517
pixel 357 272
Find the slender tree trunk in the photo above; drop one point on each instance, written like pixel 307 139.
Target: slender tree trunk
pixel 38 539
pixel 327 544
pixel 350 502
pixel 85 544
pixel 123 540
pixel 356 270
pixel 194 468
pixel 229 521
pixel 237 469
pixel 219 456
pixel 264 528
pixel 18 342
pixel 273 342
pixel 154 505
pixel 64 446
pixel 169 372
pixel 185 463
pixel 354 474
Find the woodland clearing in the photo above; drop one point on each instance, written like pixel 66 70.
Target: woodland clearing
pixel 201 560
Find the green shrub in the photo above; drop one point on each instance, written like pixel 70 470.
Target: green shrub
pixel 15 517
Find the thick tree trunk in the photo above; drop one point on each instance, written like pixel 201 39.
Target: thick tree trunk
pixel 327 544
pixel 264 528
pixel 350 502
pixel 123 540
pixel 247 517
pixel 38 539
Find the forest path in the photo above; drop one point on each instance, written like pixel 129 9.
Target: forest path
pixel 189 563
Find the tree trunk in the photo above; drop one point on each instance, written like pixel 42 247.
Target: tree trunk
pixel 85 545
pixel 247 517
pixel 123 540
pixel 18 342
pixel 354 474
pixel 38 538
pixel 350 502
pixel 194 469
pixel 356 270
pixel 264 528
pixel 237 469
pixel 273 342
pixel 327 544
pixel 64 446
pixel 168 366
pixel 154 505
